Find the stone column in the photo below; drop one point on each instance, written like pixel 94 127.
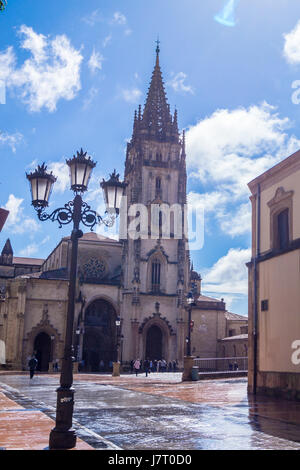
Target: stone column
pixel 180 341
pixel 188 363
pixel 134 338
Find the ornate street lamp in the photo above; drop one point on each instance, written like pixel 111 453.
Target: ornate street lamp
pixel 191 303
pixel 41 184
pixel 188 360
pixel 76 211
pixel 116 365
pixel 81 168
pixel 113 191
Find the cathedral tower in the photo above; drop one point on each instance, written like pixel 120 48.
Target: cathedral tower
pixel 155 261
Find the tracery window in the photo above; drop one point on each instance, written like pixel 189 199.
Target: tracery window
pixel 156 275
pixel 94 269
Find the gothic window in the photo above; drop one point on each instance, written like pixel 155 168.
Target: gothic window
pixel 158 188
pixel 156 275
pixel 94 269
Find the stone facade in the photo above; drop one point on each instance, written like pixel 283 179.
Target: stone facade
pixel 212 324
pixel 140 280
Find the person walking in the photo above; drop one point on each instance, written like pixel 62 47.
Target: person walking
pixel 32 364
pixel 147 367
pixel 137 366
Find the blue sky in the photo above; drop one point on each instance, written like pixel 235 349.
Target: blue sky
pixel 76 71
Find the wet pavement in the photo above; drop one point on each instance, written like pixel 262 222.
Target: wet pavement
pixel 161 412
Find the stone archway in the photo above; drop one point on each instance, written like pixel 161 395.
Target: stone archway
pixel 154 343
pixel 100 339
pixel 42 350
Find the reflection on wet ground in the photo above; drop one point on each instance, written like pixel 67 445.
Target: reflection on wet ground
pixel 161 412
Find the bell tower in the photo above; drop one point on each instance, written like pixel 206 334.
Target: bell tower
pixel 155 257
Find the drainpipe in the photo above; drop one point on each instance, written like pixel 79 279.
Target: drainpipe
pixel 255 320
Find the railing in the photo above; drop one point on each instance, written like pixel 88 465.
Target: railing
pixel 222 364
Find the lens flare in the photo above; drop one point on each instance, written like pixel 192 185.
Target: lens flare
pixel 226 16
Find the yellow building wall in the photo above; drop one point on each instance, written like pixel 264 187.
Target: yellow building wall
pixel 279 327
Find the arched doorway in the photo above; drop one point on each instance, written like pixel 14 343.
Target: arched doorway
pixel 154 343
pixel 42 349
pixel 99 341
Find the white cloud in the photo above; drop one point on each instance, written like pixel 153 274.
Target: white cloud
pixel 61 171
pixel 291 50
pixel 30 250
pixel 239 222
pixel 17 222
pixel 107 40
pixel 93 18
pixel 230 148
pixel 95 61
pixel 119 18
pixel 91 95
pixel 178 83
pixel 12 140
pixel 7 63
pixel 50 74
pixel 229 274
pixel 34 247
pixel 131 95
pixel 209 201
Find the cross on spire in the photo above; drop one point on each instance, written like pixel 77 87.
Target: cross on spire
pixel 157 46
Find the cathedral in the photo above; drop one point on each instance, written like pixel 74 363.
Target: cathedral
pixel 130 300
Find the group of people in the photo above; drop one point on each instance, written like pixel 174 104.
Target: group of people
pixel 148 366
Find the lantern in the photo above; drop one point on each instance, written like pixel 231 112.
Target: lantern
pixel 41 184
pixel 81 168
pixel 113 190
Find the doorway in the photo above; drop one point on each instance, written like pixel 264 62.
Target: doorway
pixel 99 341
pixel 154 343
pixel 42 348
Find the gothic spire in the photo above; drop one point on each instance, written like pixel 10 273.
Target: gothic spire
pixel 7 250
pixel 156 120
pixel 6 257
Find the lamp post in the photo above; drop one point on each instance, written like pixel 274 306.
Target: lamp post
pixel 76 211
pixel 116 365
pixel 188 359
pixel 191 303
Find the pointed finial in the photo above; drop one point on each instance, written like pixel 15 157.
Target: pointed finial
pixel 157 45
pixel 157 51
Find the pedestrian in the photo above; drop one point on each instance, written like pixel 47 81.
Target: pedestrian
pixel 151 366
pixel 174 366
pixel 137 366
pixel 32 366
pixel 147 367
pixel 56 365
pixel 131 366
pixel 170 367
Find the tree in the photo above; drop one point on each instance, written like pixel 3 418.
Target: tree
pixel 3 4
